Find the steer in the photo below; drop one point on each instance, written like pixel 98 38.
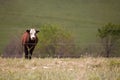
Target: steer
pixel 29 41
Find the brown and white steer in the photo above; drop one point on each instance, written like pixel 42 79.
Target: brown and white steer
pixel 29 41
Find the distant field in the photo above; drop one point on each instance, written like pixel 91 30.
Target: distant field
pixel 60 69
pixel 81 17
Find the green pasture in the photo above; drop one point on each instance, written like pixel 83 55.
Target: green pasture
pixel 80 17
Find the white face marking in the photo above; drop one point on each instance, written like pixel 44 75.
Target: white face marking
pixel 32 33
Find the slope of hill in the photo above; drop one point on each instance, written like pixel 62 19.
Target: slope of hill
pixel 82 17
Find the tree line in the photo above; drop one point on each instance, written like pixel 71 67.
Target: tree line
pixel 56 41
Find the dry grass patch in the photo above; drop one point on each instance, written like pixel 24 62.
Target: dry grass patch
pixel 60 69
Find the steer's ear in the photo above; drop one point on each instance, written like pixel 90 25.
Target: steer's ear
pixel 37 31
pixel 28 31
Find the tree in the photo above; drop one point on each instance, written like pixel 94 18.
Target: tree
pixel 110 37
pixel 55 41
pixel 14 48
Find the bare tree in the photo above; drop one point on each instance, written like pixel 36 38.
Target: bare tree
pixel 13 49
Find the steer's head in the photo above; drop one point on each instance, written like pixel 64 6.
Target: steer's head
pixel 32 33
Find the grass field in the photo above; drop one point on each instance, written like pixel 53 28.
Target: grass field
pixel 81 17
pixel 60 69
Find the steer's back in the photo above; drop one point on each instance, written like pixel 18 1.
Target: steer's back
pixel 25 38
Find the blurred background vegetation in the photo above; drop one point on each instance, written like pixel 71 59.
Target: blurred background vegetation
pixel 77 20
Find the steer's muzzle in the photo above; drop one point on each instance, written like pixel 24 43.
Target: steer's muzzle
pixel 33 38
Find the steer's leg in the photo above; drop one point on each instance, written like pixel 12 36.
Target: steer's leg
pixel 26 52
pixel 31 51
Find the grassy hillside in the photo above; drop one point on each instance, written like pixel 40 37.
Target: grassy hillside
pixel 60 69
pixel 81 17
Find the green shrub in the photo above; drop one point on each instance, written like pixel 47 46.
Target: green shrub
pixel 55 41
